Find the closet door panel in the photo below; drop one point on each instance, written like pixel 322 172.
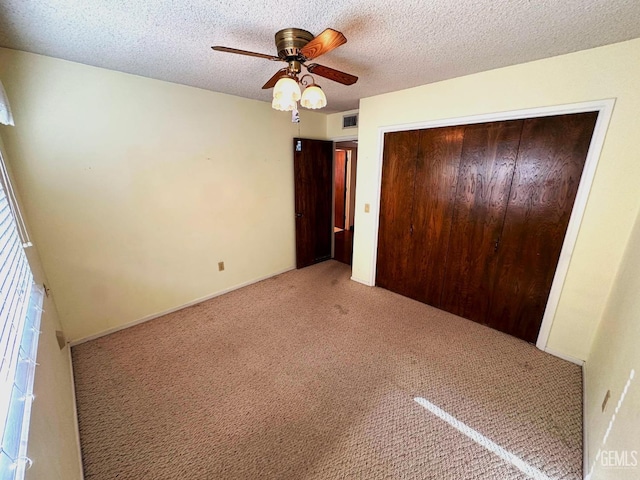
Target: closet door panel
pixel 486 170
pixel 550 162
pixel 396 203
pixel 435 191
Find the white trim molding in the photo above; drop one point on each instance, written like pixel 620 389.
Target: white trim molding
pixel 362 281
pixel 76 424
pixel 564 356
pixel 585 423
pixel 604 108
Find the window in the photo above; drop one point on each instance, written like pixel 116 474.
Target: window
pixel 20 310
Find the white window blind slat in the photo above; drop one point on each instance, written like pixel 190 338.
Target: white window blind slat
pixel 15 317
pixel 10 312
pixel 5 182
pixel 20 310
pixel 13 310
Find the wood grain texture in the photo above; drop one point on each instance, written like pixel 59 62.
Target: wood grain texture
pixel 437 166
pixel 396 202
pixel 550 162
pixel 487 215
pixel 340 188
pixel 313 198
pixel 328 40
pixel 332 74
pixel 343 246
pixel 353 166
pixel 484 180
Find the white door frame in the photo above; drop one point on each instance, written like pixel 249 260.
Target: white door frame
pixel 603 107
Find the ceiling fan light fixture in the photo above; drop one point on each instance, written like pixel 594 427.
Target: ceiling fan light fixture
pixel 313 97
pixel 283 104
pixel 287 88
pixel 296 47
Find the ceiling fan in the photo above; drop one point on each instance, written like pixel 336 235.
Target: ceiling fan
pixel 296 47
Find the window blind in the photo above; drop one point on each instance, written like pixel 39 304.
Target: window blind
pixel 20 311
pixel 6 117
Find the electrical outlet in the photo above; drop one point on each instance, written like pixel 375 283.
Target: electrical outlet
pixel 367 207
pixel 220 266
pixel 606 399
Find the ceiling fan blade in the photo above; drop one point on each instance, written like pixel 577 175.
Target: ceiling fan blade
pixel 323 43
pixel 273 80
pixel 332 74
pixel 218 48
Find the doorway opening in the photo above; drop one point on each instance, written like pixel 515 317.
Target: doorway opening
pixel 344 187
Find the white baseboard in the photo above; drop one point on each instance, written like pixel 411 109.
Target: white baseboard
pixel 75 413
pixel 564 356
pixel 364 282
pixel 585 432
pixel 175 309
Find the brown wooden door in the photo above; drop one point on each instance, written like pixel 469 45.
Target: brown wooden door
pixel 418 191
pixel 340 182
pixel 434 196
pixel 547 173
pixel 312 167
pixel 473 218
pixel 484 181
pixel 396 205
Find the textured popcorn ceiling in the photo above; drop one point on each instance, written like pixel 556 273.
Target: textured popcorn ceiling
pixel 391 44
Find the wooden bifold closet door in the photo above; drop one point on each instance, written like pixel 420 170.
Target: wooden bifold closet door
pixel 472 218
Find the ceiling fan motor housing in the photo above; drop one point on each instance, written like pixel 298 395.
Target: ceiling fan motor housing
pixel 289 41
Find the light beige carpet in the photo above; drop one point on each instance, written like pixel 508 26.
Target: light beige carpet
pixel 312 376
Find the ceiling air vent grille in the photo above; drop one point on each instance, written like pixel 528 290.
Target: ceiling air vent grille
pixel 350 121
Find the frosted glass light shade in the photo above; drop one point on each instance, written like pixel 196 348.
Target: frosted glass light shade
pixel 287 88
pixel 313 97
pixel 283 104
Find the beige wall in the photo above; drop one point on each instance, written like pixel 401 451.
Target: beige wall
pixel 135 188
pixel 607 72
pixel 53 442
pixel 615 354
pixel 334 126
